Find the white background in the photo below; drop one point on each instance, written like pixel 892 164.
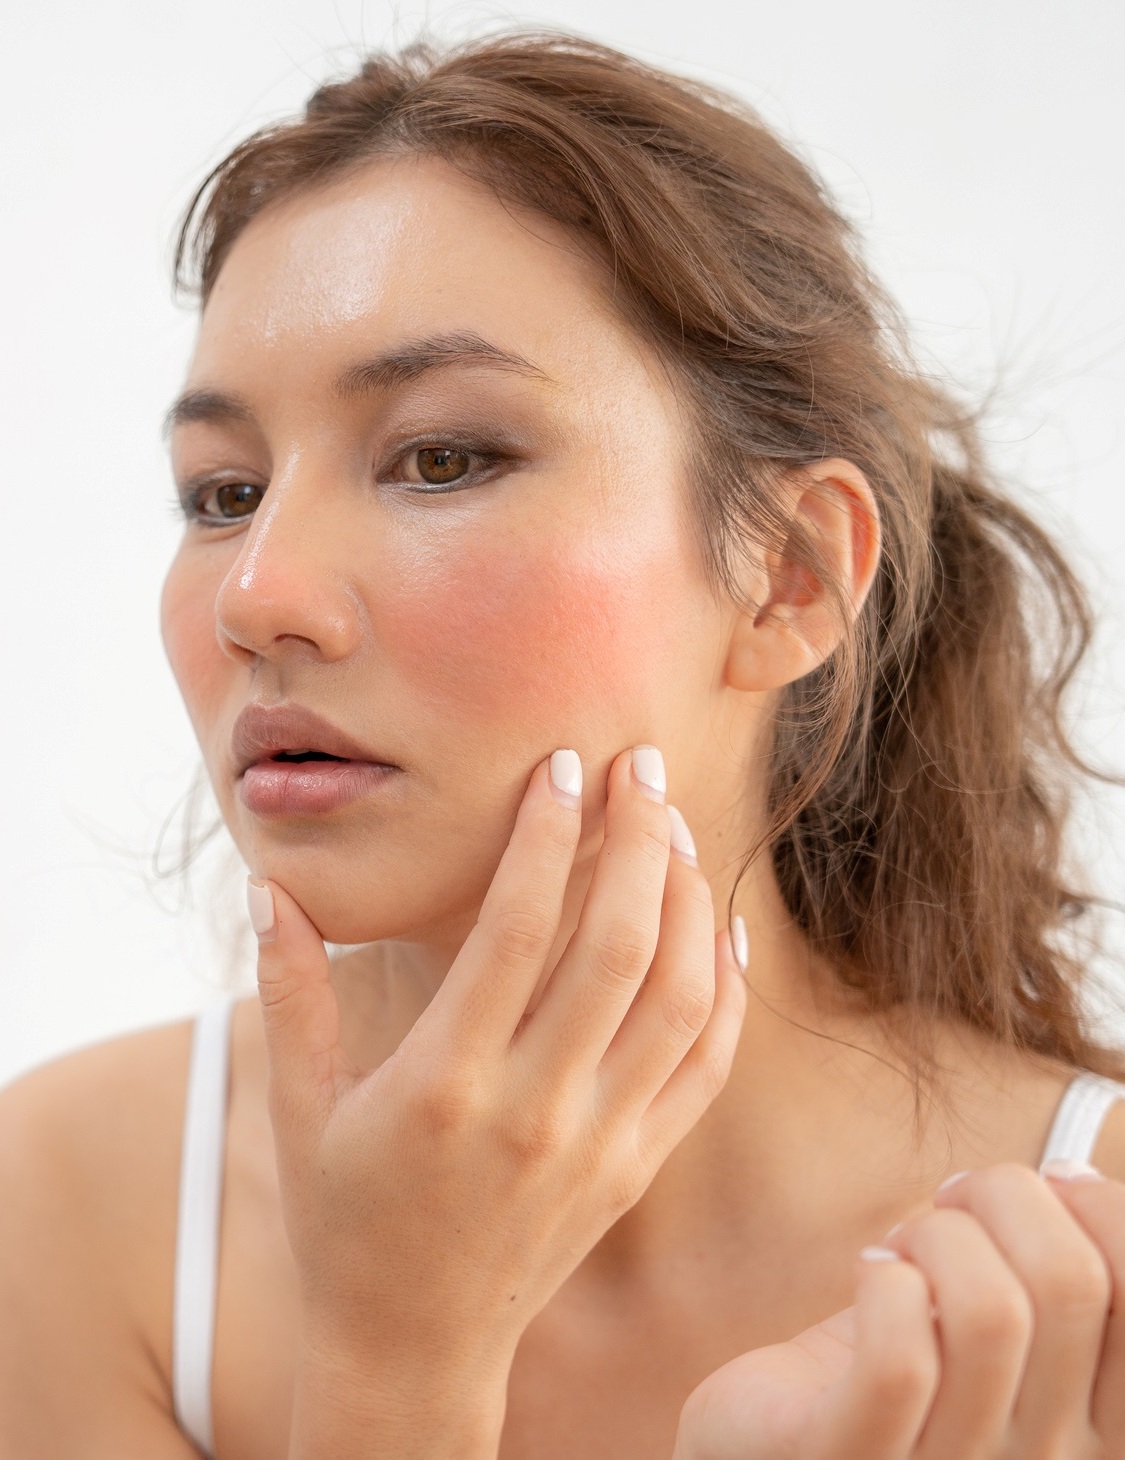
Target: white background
pixel 978 142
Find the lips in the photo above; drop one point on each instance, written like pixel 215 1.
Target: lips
pixel 294 766
pixel 265 732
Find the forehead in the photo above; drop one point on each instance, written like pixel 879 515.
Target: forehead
pixel 409 246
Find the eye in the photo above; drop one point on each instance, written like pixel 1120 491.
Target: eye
pixel 218 502
pixel 237 499
pixel 441 465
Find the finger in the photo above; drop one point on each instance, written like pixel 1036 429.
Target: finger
pixel 704 1070
pixel 675 1001
pixel 300 1015
pixel 984 1332
pixel 1066 1278
pixel 613 946
pixel 1098 1206
pixel 878 1409
pixel 486 991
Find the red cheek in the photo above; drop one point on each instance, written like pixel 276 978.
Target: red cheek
pixel 530 633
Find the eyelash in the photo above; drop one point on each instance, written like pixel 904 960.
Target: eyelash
pixel 188 504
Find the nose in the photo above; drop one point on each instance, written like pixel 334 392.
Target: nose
pixel 288 592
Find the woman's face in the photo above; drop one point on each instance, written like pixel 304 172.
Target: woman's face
pixel 364 346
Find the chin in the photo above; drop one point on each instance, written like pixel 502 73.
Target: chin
pixel 348 904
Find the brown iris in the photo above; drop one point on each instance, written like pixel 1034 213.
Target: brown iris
pixel 439 465
pixel 237 499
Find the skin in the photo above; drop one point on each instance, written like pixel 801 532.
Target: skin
pixel 349 594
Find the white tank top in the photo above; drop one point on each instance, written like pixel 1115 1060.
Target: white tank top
pixel 1073 1134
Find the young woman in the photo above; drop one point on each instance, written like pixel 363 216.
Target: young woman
pixel 575 565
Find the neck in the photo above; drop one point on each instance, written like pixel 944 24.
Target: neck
pixel 815 1139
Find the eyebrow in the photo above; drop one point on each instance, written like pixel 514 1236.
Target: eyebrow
pixel 216 407
pixel 385 371
pixel 406 362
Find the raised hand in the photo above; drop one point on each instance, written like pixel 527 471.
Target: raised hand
pixel 435 1204
pixel 991 1328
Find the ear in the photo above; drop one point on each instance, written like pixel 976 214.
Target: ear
pixel 803 611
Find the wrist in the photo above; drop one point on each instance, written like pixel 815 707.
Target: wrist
pixel 353 1406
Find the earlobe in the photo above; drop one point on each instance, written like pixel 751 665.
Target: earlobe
pixel 816 584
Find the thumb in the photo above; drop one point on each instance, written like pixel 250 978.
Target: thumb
pixel 300 1014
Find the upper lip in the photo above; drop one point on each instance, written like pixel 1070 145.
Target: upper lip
pixel 262 731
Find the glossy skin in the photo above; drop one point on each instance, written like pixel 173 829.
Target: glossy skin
pixel 364 601
pixel 559 601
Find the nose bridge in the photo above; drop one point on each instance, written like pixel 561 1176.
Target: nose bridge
pixel 290 581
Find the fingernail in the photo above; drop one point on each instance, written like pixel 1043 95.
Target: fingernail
pixel 952 1180
pixel 740 941
pixel 259 904
pixel 566 777
pixel 898 1226
pixel 682 843
pixel 648 767
pixel 879 1254
pixel 1062 1169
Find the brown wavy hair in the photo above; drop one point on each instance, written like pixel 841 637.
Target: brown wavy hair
pixel 919 780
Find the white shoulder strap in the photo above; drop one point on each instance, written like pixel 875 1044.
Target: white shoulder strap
pixel 197 1232
pixel 1078 1121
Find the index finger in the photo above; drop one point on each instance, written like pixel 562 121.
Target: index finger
pixel 486 991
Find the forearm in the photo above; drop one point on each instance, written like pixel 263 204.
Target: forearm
pixel 345 1409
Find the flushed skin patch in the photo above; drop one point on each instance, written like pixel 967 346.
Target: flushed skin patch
pixel 559 600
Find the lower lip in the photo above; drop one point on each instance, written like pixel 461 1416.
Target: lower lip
pixel 311 787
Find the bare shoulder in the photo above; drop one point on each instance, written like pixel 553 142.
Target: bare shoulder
pixel 89 1168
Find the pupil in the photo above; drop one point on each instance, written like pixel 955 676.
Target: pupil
pixel 236 499
pixel 439 465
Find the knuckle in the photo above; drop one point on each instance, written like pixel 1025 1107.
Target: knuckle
pixel 278 990
pixel 535 1138
pixel 621 954
pixel 281 999
pixel 559 836
pixel 698 902
pixel 713 1072
pixel 522 935
pixel 998 1318
pixel 654 837
pixel 652 832
pixel 444 1104
pixel 688 1007
pixel 1080 1286
pixel 625 1186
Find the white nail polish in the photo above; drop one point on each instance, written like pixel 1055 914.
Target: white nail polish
pixel 566 773
pixel 879 1254
pixel 681 838
pixel 648 767
pixel 1062 1169
pixel 740 940
pixel 259 904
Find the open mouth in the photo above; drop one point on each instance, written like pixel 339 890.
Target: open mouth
pixel 298 747
pixel 298 757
